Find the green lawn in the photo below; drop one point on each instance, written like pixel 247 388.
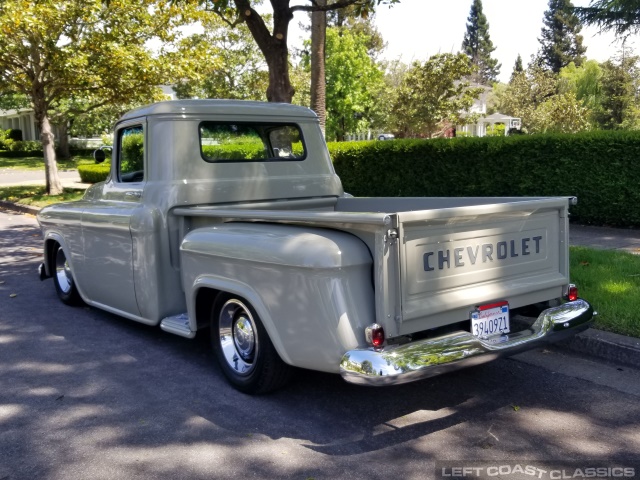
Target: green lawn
pixel 610 281
pixel 37 163
pixel 35 195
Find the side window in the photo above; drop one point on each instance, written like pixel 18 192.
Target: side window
pixel 131 154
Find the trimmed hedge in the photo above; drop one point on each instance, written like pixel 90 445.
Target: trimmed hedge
pixel 94 173
pixel 601 168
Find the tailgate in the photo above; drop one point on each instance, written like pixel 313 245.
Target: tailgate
pixel 453 259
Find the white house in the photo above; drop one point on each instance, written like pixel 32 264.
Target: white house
pixel 22 119
pixel 479 129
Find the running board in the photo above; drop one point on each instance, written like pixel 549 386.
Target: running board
pixel 178 325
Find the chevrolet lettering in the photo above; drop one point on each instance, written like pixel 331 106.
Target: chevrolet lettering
pixel 227 217
pixel 485 252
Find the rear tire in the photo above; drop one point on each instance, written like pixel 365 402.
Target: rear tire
pixel 242 346
pixel 63 278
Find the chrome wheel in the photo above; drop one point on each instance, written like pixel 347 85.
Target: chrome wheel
pixel 63 278
pixel 238 337
pixel 63 272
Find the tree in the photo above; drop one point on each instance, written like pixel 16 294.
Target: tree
pixel 273 44
pixel 353 79
pixel 619 105
pixel 434 94
pixel 226 63
pixel 561 42
pixel 533 97
pixel 478 46
pixel 56 49
pixel 620 16
pixel 517 68
pixel 318 75
pixel 585 82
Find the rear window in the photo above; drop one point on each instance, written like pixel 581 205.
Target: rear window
pixel 237 142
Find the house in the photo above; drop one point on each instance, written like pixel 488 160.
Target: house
pixel 479 107
pixel 22 119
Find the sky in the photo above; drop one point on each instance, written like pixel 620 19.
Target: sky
pixel 417 29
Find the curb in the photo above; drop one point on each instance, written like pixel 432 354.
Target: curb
pixel 16 207
pixel 606 345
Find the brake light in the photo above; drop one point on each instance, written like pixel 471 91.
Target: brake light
pixel 572 293
pixel 374 335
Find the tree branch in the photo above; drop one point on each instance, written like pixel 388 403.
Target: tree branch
pixel 326 8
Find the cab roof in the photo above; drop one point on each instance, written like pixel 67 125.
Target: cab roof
pixel 222 107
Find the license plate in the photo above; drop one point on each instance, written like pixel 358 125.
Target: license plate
pixel 492 319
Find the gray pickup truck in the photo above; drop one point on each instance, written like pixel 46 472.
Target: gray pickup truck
pixel 228 215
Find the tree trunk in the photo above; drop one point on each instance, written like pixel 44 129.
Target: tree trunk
pixel 318 78
pixel 273 46
pixel 280 88
pixel 63 142
pixel 54 186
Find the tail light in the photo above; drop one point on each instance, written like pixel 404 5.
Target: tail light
pixel 572 292
pixel 374 335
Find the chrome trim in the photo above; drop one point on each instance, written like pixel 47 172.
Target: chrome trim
pixel 435 356
pixel 236 330
pixel 63 272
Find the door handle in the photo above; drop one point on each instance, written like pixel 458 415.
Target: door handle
pixel 133 194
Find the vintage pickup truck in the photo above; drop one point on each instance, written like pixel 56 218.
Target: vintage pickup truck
pixel 228 215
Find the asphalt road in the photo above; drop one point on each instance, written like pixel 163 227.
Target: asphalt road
pixel 87 395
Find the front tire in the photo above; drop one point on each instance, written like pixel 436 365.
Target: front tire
pixel 63 278
pixel 244 351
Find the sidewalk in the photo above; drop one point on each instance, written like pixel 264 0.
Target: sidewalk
pixel 606 238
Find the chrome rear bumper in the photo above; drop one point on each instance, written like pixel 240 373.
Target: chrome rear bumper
pixel 434 356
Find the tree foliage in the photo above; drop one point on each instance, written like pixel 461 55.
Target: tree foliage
pixel 517 68
pixel 561 42
pixel 353 79
pixel 620 16
pixel 224 63
pixel 52 50
pixel 533 97
pixel 478 46
pixel 273 41
pixel 619 107
pixel 433 96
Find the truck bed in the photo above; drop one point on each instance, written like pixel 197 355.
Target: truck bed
pixel 434 259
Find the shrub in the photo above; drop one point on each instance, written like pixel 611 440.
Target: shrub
pixel 14 134
pixel 601 168
pixel 133 152
pixel 236 151
pixel 24 146
pixel 94 173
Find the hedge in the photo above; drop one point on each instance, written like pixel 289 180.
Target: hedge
pixel 94 173
pixel 601 168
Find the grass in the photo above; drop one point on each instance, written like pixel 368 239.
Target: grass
pixel 36 195
pixel 37 163
pixel 610 281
